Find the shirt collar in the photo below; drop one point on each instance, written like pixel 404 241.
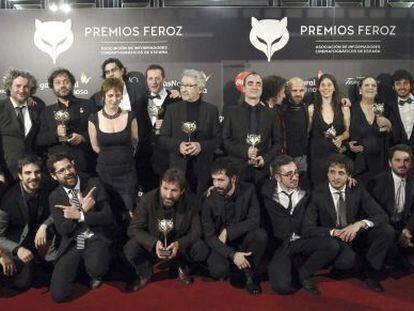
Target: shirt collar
pixel 77 187
pixel 16 105
pixel 162 93
pixel 409 96
pixel 334 191
pixel 397 179
pixel 280 190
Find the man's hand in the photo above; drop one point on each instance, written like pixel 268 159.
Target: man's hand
pixel 208 191
pixel 405 239
pixel 184 148
pixel 194 148
pixel 353 145
pixel 240 260
pixel 158 247
pixel 88 202
pixel 31 102
pixel 337 142
pixel 75 139
pixel 223 236
pixel 158 124
pixel 174 246
pixel 174 94
pixel 349 233
pixel 9 268
pixel 2 179
pixel 252 152
pixel 260 161
pixel 24 254
pixel 352 182
pixel 69 211
pixel 61 130
pixel 40 238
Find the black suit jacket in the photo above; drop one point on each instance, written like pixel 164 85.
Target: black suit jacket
pixel 382 189
pixel 399 136
pixel 48 139
pixel 144 223
pixel 247 217
pixel 236 128
pixel 98 217
pixel 13 143
pixel 321 216
pixel 207 134
pixel 15 219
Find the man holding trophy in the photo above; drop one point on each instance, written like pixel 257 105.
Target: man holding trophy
pixel 165 226
pixel 64 125
pixel 190 132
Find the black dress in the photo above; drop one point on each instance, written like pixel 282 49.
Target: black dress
pixel 116 164
pixel 371 161
pixel 321 147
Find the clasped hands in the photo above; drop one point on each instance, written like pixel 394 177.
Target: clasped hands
pixel 252 154
pixel 174 246
pixel 349 233
pixel 190 148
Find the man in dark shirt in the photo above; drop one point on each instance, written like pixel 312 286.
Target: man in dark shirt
pixel 231 219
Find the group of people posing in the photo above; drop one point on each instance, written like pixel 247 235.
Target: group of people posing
pixel 285 176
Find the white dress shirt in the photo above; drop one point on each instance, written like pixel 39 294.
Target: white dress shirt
pixel 397 181
pixel 158 102
pixel 26 116
pixel 125 102
pixel 407 116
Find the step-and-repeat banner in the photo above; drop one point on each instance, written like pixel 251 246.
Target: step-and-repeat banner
pixel 221 42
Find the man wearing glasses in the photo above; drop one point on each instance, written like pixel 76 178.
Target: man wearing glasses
pixel 190 132
pixel 285 205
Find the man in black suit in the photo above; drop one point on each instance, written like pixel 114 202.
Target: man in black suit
pixel 353 218
pixel 285 206
pixel 69 136
pixel 231 220
pixel 394 191
pixel 24 220
pixel 252 117
pixel 80 209
pixel 402 108
pixel 192 153
pixel 19 123
pixel 168 204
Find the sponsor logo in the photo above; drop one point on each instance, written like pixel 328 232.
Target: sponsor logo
pixel 84 78
pixel 53 38
pixel 269 35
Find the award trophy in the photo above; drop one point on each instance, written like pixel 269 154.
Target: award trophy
pixel 165 226
pixel 62 117
pixel 253 140
pixel 378 109
pixel 189 128
pixel 330 133
pixel 155 111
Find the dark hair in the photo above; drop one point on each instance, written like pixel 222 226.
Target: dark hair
pixel 56 157
pixel 58 72
pixel 174 175
pixel 400 147
pixel 109 84
pixel 225 165
pixel 272 85
pixel 402 74
pixel 155 67
pixel 253 73
pixel 280 161
pixel 336 105
pixel 342 161
pixel 117 62
pixel 29 159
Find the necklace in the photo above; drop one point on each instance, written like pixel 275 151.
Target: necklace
pixel 113 116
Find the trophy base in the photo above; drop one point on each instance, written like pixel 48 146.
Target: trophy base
pixel 253 163
pixel 382 129
pixel 165 252
pixel 63 139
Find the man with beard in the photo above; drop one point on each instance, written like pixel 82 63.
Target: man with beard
pixel 71 135
pixel 80 209
pixel 19 122
pixel 231 219
pixel 394 191
pixel 191 152
pixel 169 204
pixel 24 220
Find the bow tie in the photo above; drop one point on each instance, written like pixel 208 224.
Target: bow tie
pixel 154 96
pixel 402 102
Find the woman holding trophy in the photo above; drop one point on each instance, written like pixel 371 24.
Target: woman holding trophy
pixel 369 132
pixel 114 137
pixel 328 126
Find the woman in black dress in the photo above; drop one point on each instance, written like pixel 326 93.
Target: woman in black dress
pixel 328 124
pixel 369 132
pixel 114 137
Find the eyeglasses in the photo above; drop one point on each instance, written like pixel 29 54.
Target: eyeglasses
pixel 290 174
pixel 187 86
pixel 64 169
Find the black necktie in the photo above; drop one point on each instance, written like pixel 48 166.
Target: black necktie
pixel 253 120
pixel 402 102
pixel 341 210
pixel 154 96
pixel 20 118
pixel 290 205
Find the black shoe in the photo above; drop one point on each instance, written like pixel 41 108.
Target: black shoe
pixel 184 277
pixel 253 286
pixel 138 283
pixel 374 285
pixel 95 283
pixel 308 286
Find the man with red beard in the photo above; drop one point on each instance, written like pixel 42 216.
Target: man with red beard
pixel 24 220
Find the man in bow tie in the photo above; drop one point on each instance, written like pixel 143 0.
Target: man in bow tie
pixel 402 109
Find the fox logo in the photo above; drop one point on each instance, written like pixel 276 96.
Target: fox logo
pixel 53 37
pixel 269 35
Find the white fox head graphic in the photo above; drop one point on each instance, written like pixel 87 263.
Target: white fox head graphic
pixel 269 35
pixel 53 37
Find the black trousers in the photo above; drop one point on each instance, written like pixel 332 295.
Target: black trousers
pixel 96 260
pixel 371 245
pixel 254 241
pixel 142 260
pixel 318 252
